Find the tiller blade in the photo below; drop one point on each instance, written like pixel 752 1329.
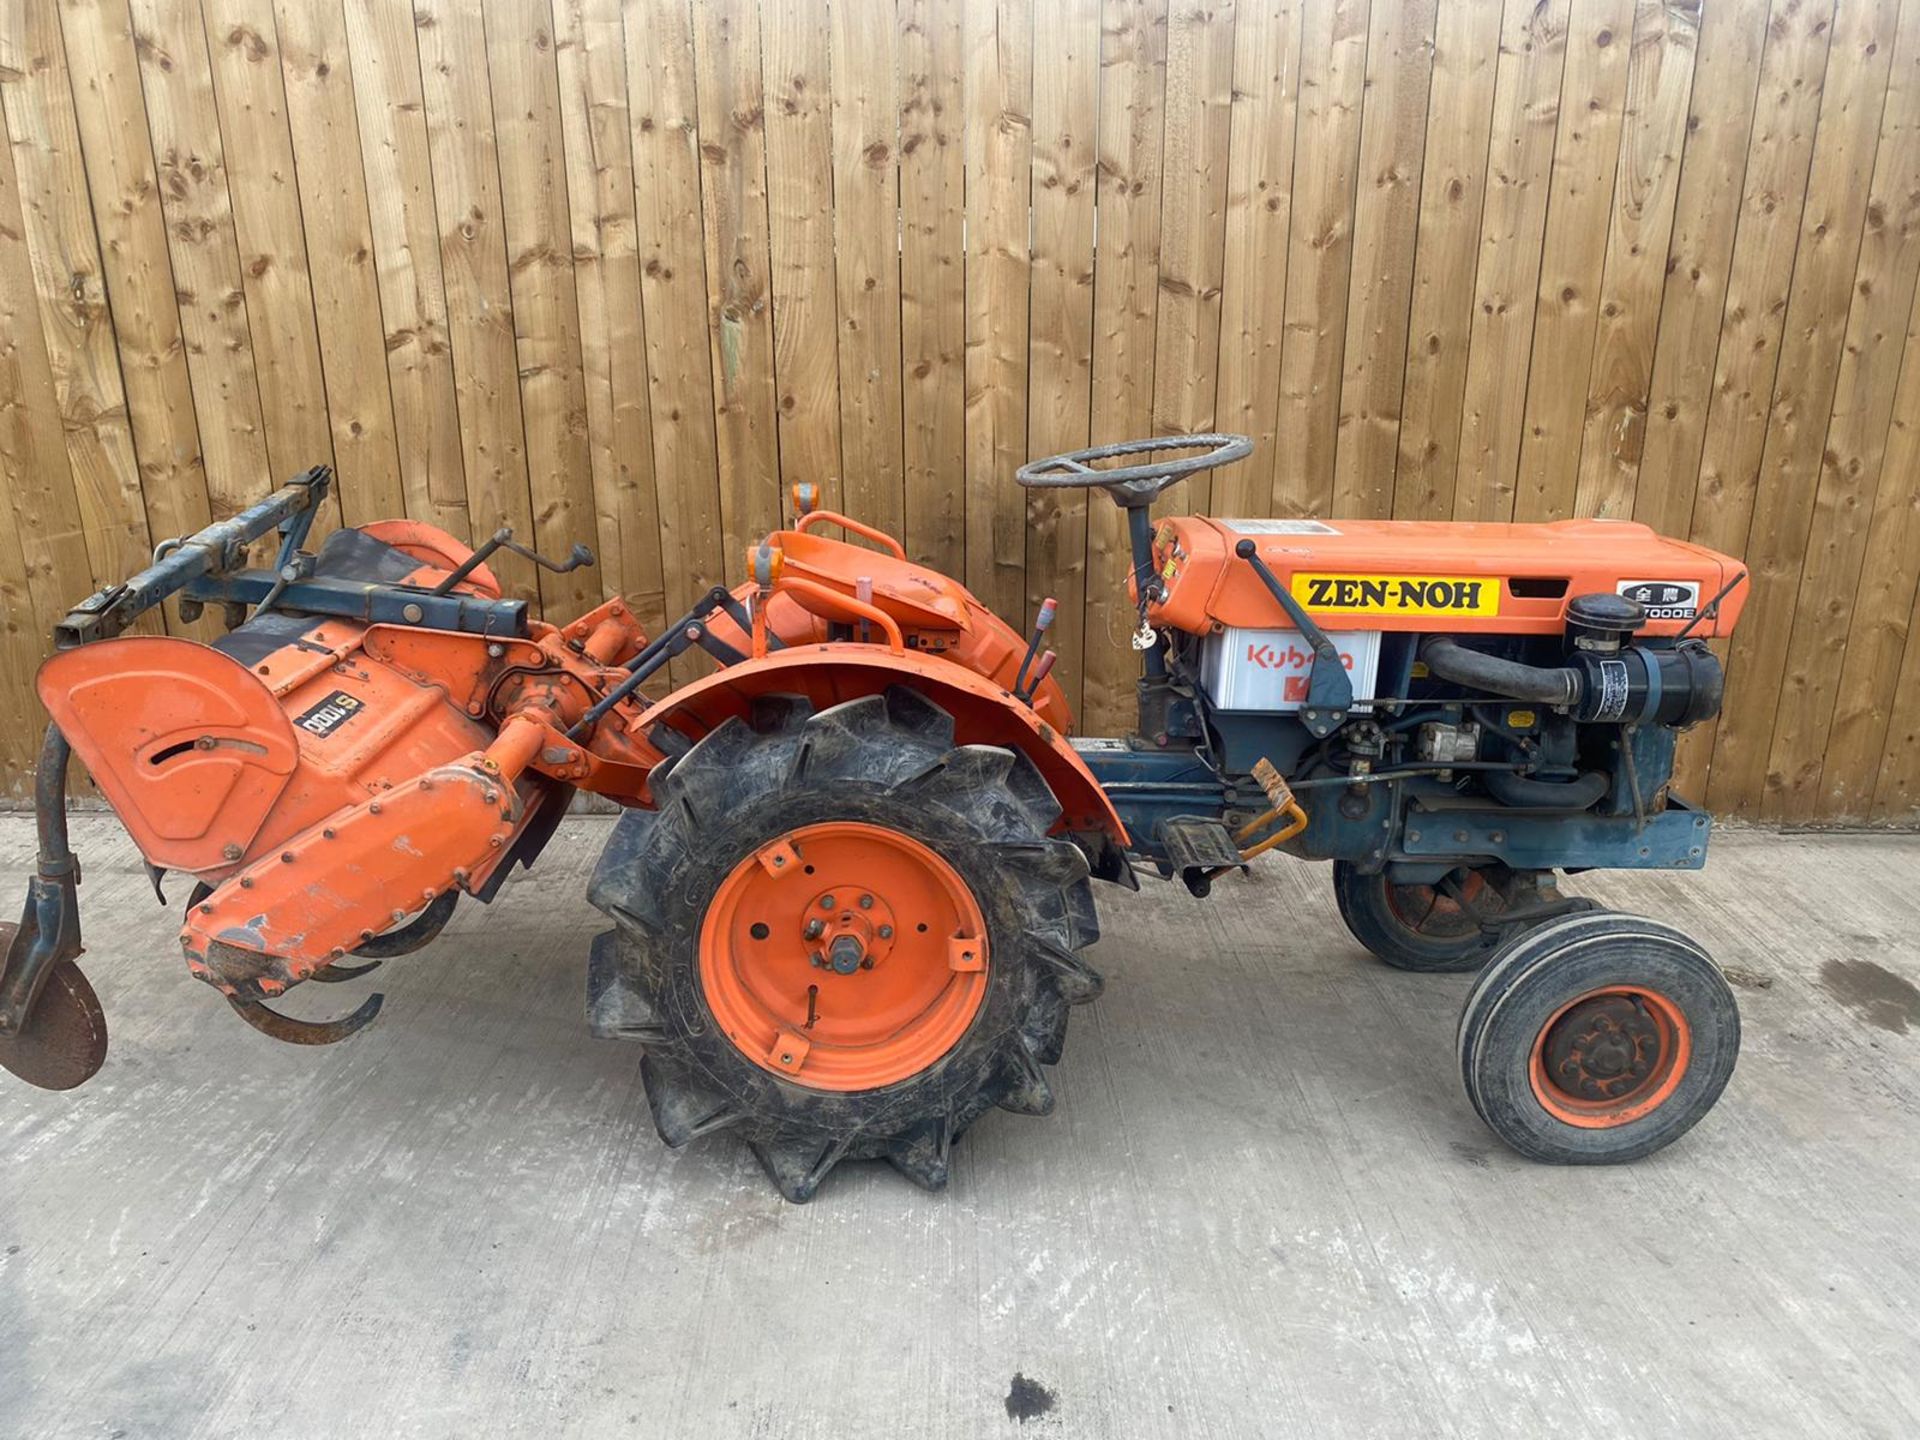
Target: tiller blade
pixel 337 974
pixel 305 1032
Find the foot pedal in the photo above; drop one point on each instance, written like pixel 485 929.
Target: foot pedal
pixel 1196 847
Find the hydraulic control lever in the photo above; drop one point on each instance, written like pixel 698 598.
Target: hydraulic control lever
pixel 502 539
pixel 1329 687
pixel 1042 623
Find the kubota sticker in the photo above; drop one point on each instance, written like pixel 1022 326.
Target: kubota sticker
pixel 330 714
pixel 1398 594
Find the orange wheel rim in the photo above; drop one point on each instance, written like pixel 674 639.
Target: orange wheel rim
pixel 1610 1056
pixel 1428 910
pixel 844 956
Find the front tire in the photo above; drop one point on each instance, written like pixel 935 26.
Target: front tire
pixel 841 936
pixel 1597 1039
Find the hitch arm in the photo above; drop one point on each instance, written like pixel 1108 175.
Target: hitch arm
pixel 212 551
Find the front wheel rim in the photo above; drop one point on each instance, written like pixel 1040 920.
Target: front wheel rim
pixel 1610 1056
pixel 1429 913
pixel 844 956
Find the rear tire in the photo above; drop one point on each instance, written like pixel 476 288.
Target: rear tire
pixel 1597 1039
pixel 711 948
pixel 1416 927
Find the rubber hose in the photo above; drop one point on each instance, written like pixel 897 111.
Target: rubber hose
pixel 1510 679
pixel 1525 793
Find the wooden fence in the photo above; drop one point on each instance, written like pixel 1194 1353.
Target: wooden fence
pixel 619 270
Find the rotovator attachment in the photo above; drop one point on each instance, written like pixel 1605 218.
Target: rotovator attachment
pixel 851 891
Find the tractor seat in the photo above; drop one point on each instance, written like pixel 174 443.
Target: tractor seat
pixel 914 596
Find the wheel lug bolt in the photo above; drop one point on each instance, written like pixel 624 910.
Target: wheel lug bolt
pixel 886 932
pixel 813 929
pixel 866 902
pixel 826 902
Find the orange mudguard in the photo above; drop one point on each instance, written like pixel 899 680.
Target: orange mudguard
pixel 188 746
pixel 826 674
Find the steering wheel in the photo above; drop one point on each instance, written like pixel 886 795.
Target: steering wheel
pixel 1134 487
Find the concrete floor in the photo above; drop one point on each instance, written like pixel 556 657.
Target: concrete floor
pixel 1263 1206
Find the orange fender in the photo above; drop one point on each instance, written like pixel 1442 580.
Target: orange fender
pixel 827 674
pixel 186 743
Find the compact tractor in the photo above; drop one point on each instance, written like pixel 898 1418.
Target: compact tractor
pixel 850 893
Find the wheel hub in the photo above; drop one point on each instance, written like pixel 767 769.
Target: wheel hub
pixel 847 930
pixel 1431 911
pixel 1602 1049
pixel 1610 1056
pixel 844 956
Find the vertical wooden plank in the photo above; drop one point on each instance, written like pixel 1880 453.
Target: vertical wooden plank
pixel 525 96
pixel 1713 167
pixel 1066 49
pixel 1833 547
pixel 866 224
pixel 997 135
pixel 473 260
pixel 673 285
pixel 934 219
pixel 1453 184
pixel 1803 390
pixel 1896 795
pixel 1193 219
pixel 243 54
pixel 1646 188
pixel 1869 690
pixel 40 497
pixel 1333 60
pixel 390 107
pixel 1773 196
pixel 1880 730
pixel 1593 93
pixel 44 564
pixel 68 286
pixel 1126 280
pixel 330 202
pixel 1393 134
pixel 1253 275
pixel 1526 108
pixel 206 262
pixel 798 45
pixel 139 275
pixel 733 188
pixel 599 153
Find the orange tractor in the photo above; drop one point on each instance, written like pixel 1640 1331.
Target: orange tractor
pixel 851 891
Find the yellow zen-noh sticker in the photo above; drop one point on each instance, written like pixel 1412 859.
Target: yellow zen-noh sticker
pixel 1398 594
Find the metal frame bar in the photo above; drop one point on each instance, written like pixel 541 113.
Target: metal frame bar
pixel 212 551
pixel 371 601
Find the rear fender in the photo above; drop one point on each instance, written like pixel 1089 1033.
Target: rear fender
pixel 827 674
